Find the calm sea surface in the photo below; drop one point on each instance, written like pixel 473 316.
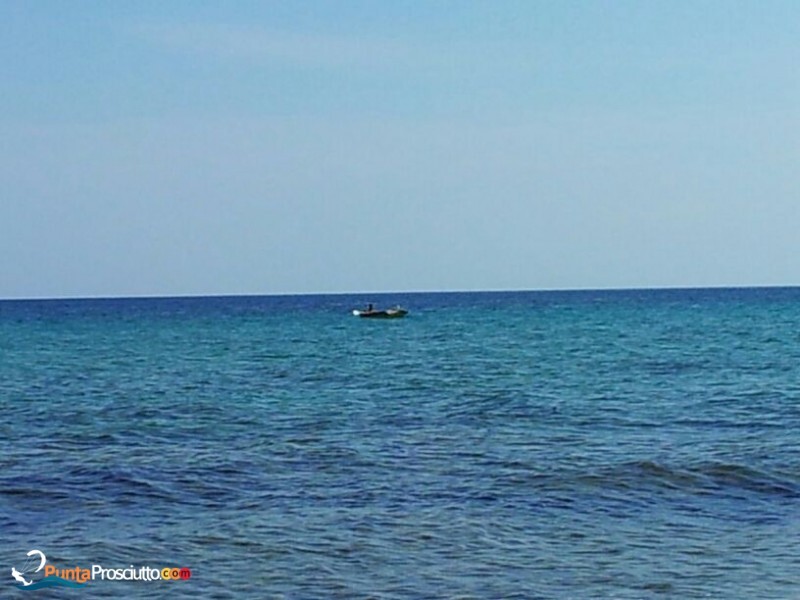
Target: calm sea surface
pixel 636 444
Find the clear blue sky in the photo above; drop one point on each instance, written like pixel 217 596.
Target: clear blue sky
pixel 169 148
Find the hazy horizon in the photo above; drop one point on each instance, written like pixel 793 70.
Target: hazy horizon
pixel 378 293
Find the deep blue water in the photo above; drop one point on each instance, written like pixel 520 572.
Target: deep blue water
pixel 604 444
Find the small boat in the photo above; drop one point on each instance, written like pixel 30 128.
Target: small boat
pixel 389 313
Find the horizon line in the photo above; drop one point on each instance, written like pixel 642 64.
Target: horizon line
pixel 396 292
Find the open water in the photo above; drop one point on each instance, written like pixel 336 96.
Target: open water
pixel 611 444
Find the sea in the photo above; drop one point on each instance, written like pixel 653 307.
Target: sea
pixel 637 444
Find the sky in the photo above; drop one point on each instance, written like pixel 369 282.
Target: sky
pixel 152 148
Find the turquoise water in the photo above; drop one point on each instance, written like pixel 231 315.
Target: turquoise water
pixel 638 444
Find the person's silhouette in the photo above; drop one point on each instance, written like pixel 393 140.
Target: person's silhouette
pixel 18 576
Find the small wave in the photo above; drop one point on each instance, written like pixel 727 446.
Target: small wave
pixel 746 478
pixel 713 477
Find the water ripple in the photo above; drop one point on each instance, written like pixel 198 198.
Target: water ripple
pixel 579 445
